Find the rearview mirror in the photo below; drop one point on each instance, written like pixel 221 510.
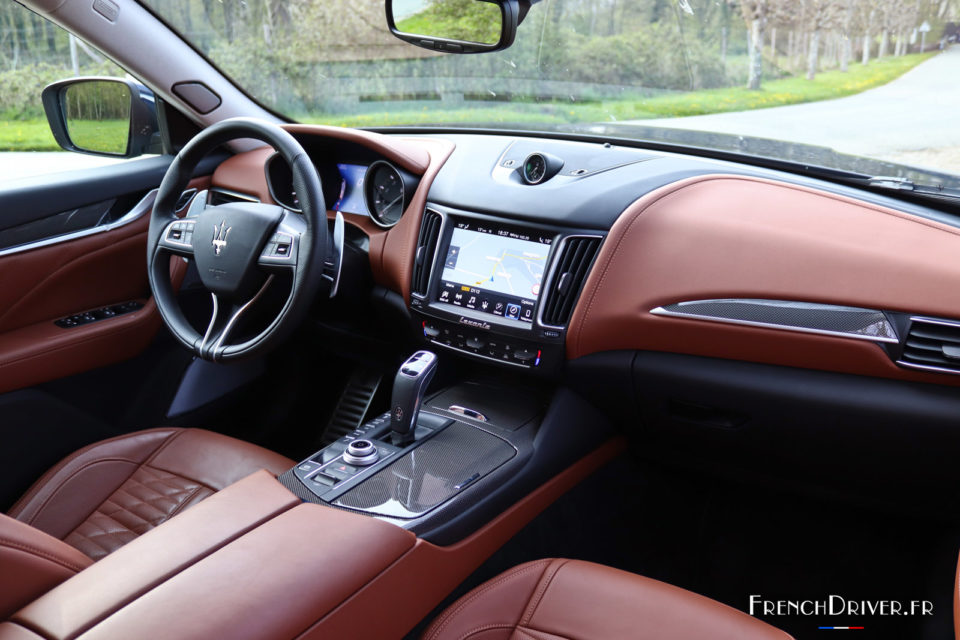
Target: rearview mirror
pixel 103 116
pixel 455 26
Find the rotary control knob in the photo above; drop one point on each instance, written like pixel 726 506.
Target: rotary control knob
pixel 361 453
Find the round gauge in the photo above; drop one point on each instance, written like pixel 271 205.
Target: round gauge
pixel 534 168
pixel 384 191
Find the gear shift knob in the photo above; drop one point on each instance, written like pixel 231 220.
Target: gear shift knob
pixel 408 389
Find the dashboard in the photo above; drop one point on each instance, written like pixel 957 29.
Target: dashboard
pixel 607 248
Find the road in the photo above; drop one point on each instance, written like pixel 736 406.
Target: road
pixel 913 119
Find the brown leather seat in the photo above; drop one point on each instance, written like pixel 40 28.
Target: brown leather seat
pixel 105 495
pixel 556 599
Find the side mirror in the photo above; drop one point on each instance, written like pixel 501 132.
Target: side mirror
pixel 103 116
pixel 455 26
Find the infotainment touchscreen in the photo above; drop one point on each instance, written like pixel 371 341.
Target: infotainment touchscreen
pixel 494 269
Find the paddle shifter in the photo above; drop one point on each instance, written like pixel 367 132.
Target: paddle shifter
pixel 408 389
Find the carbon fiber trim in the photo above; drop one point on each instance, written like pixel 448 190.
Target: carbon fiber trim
pixel 806 317
pixel 431 474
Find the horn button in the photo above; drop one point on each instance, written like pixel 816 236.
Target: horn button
pixel 227 245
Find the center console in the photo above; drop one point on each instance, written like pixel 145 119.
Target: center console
pixel 496 290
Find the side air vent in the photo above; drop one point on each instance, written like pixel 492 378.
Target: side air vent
pixel 932 344
pixel 426 248
pixel 225 196
pixel 572 266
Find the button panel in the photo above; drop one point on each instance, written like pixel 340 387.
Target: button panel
pixel 327 469
pixel 103 313
pixel 181 233
pixel 485 345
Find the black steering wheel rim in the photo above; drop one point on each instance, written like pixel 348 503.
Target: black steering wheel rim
pixel 307 229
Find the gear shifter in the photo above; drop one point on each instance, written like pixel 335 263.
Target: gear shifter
pixel 408 389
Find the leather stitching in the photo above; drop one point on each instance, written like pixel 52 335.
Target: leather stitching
pixel 163 446
pixel 122 324
pixel 545 581
pixel 21 504
pixel 42 554
pixel 145 500
pixel 450 615
pixel 56 491
pixel 528 632
pixel 486 627
pixel 110 248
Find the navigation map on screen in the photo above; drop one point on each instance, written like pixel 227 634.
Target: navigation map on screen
pixel 497 271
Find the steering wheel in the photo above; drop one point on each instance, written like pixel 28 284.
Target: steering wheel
pixel 238 248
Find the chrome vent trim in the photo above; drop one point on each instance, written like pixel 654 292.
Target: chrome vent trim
pixel 788 315
pixel 924 347
pixel 425 255
pixel 220 195
pixel 556 306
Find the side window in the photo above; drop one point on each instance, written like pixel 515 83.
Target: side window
pixel 34 53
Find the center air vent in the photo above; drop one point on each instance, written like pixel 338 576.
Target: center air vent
pixel 932 344
pixel 572 266
pixel 426 248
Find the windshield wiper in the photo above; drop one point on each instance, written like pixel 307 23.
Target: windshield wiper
pixel 934 191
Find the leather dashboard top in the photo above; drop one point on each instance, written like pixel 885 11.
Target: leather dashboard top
pixel 704 237
pixel 743 237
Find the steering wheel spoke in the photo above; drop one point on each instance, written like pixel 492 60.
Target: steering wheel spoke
pixel 282 249
pixel 178 236
pixel 223 321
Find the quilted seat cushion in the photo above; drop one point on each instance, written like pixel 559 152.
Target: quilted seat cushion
pixel 105 495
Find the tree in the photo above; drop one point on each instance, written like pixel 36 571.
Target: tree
pixel 818 16
pixel 756 13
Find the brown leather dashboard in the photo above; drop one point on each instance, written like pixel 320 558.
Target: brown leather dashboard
pixel 708 237
pixel 727 236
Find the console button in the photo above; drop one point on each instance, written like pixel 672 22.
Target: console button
pixel 524 356
pixel 476 343
pixel 323 480
pixel 430 330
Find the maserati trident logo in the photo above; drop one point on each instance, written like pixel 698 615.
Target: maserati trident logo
pixel 220 234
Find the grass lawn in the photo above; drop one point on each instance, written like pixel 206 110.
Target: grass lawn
pixel 34 135
pixel 793 90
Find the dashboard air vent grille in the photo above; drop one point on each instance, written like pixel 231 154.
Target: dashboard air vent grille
pixel 426 248
pixel 932 344
pixel 224 196
pixel 572 267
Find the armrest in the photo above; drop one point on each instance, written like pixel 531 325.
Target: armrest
pixel 248 562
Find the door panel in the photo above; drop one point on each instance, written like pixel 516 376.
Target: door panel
pixel 62 276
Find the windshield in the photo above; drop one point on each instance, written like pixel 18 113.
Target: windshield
pixel 874 78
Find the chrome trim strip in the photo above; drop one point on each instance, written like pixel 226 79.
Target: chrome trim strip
pixel 548 281
pixel 142 207
pixel 213 321
pixel 403 195
pixel 928 367
pixel 188 194
pixel 660 311
pixel 338 231
pixel 942 323
pixel 436 253
pixel 235 194
pixel 236 316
